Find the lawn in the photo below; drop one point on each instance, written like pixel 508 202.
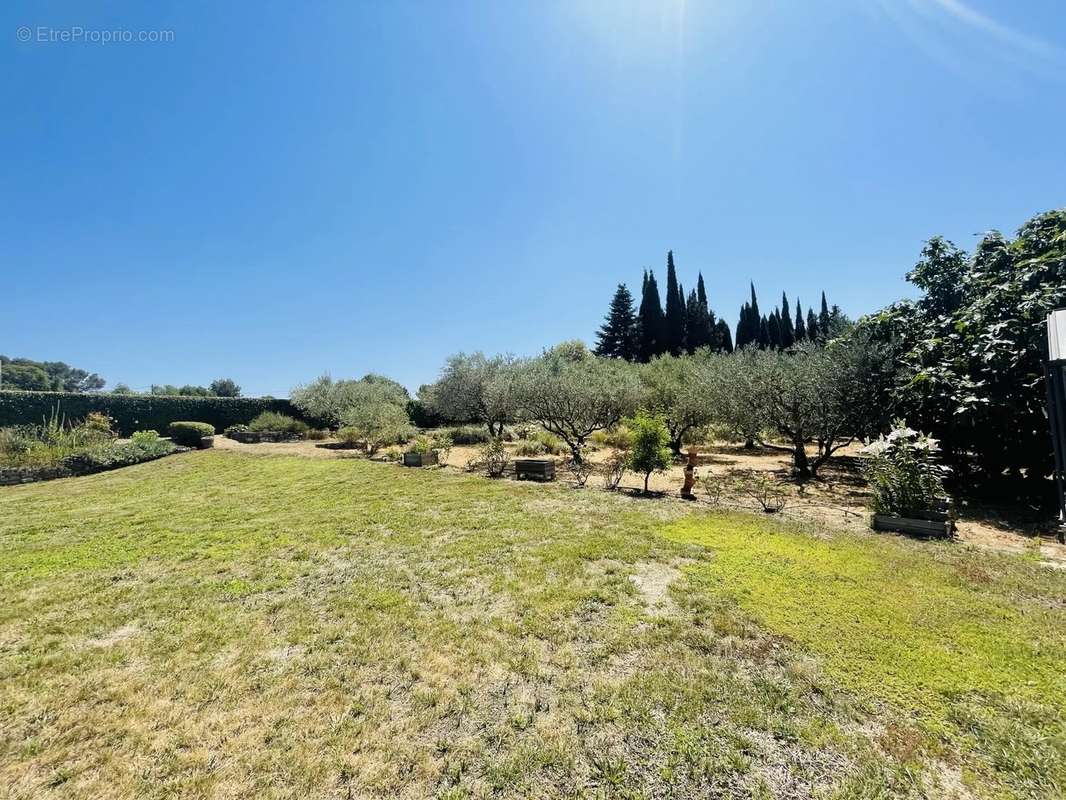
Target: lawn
pixel 222 625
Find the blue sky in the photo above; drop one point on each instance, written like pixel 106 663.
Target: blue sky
pixel 291 188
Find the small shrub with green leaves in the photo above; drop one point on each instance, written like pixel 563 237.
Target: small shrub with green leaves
pixel 904 474
pixel 144 438
pixel 278 423
pixel 236 429
pixel 99 423
pixel 442 443
pixel 421 444
pixel 651 445
pixel 764 489
pixel 528 448
pixel 580 470
pixel 495 457
pixel 714 487
pixel 189 434
pixel 317 434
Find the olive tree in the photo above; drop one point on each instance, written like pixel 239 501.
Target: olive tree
pixel 476 388
pixel 734 398
pixel 331 401
pixel 573 394
pixel 826 395
pixel 673 390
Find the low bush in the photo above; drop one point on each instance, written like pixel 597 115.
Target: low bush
pixel 526 447
pixel 614 468
pixel 495 457
pixel 468 434
pixel 278 423
pixel 236 429
pixel 189 434
pixel 351 437
pixel 144 438
pixel 317 434
pixel 619 438
pixel 905 478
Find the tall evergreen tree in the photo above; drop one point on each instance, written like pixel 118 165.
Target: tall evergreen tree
pixel 652 323
pixel 773 330
pixel 695 323
pixel 763 338
pixel 801 328
pixel 744 326
pixel 755 318
pixel 724 339
pixel 812 326
pixel 788 329
pixel 701 290
pixel 823 318
pixel 619 335
pixel 675 309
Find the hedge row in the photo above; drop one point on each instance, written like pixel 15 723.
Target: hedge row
pixel 137 412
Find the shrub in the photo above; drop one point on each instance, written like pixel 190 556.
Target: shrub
pixel 317 434
pixel 468 434
pixel 330 403
pixel 714 487
pixel 144 438
pixel 131 413
pixel 613 469
pixel 442 443
pixel 421 444
pixel 529 448
pixel 189 433
pixel 651 441
pixel 495 457
pixel 763 489
pixel 236 429
pixel 379 423
pixel 278 423
pixel 903 472
pixel 98 422
pixel 580 470
pixel 619 438
pixel 350 437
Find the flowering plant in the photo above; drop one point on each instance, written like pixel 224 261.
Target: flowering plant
pixel 903 472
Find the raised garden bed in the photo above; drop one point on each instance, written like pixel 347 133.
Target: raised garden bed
pixel 419 459
pixel 542 469
pixel 258 437
pixel 939 523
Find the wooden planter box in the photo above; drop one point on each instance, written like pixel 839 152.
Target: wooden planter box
pixel 419 459
pixel 933 523
pixel 542 469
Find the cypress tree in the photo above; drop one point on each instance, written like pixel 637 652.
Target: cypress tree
pixel 755 318
pixel 763 339
pixel 812 326
pixel 801 329
pixel 701 290
pixel 695 324
pixel 724 338
pixel 651 320
pixel 823 319
pixel 773 329
pixel 618 337
pixel 744 326
pixel 675 309
pixel 788 330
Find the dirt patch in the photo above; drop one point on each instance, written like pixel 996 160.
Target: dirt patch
pixel 116 636
pixel 653 579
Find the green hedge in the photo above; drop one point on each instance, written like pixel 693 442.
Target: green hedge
pixel 136 412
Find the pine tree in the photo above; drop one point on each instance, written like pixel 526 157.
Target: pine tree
pixel 618 337
pixel 651 320
pixel 823 319
pixel 675 309
pixel 801 329
pixel 788 329
pixel 812 326
pixel 724 337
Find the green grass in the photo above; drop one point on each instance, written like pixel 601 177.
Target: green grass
pixel 222 625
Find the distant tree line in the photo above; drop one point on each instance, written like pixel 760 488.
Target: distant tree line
pixel 688 323
pixel 46 376
pixel 781 330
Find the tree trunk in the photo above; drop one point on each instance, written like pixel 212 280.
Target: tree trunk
pixel 646 476
pixel 800 465
pixel 749 444
pixel 675 445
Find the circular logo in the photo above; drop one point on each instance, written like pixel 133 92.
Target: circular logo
pixel 23 33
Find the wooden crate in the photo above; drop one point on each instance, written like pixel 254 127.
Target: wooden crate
pixel 542 469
